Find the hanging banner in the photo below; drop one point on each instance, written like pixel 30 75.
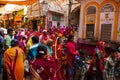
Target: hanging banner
pixel 20 12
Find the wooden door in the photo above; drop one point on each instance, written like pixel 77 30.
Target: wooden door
pixel 106 30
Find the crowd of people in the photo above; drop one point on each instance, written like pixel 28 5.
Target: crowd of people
pixel 52 54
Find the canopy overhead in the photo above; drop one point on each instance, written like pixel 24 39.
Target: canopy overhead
pixel 18 2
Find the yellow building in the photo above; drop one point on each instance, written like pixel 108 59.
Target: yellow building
pixel 100 19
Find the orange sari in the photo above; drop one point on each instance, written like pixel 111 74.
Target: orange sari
pixel 14 63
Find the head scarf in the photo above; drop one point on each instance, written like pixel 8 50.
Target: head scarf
pixel 59 35
pixel 41 50
pixel 100 44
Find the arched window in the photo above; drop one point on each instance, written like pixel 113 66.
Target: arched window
pixel 90 24
pixel 107 8
pixel 107 19
pixel 91 10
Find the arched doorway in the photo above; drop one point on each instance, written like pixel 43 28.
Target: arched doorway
pixel 75 16
pixel 106 22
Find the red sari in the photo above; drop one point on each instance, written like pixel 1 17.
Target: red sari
pixel 60 74
pixel 45 68
pixel 97 64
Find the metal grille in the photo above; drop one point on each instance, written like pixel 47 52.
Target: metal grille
pixel 106 32
pixel 90 31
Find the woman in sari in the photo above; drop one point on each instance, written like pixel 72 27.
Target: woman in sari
pixel 44 66
pixel 14 62
pixel 49 44
pixel 101 49
pixel 58 57
pixel 96 69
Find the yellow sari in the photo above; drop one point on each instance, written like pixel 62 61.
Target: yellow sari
pixel 29 44
pixel 14 63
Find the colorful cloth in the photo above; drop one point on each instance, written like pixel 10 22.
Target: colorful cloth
pixel 8 40
pixel 29 44
pixel 32 52
pixel 14 68
pixel 110 67
pixel 1 39
pixel 45 67
pixel 58 55
pixel 96 68
pixel 71 53
pixel 50 50
pixel 21 44
pixel 43 38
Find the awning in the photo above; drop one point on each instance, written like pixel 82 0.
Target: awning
pixel 18 2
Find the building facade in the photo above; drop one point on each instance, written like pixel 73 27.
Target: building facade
pixel 100 19
pixel 47 13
